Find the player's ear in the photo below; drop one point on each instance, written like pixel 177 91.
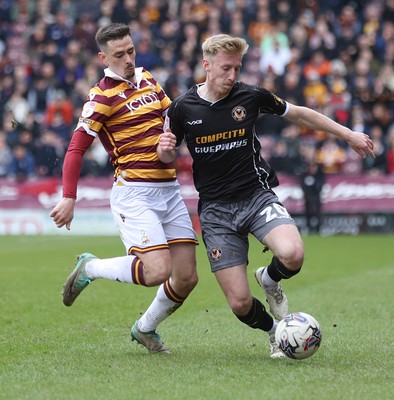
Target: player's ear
pixel 103 58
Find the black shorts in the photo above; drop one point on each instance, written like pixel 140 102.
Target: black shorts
pixel 226 226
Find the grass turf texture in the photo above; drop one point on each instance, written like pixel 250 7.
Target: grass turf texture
pixel 49 351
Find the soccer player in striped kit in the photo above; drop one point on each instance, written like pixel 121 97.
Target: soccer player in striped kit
pixel 126 111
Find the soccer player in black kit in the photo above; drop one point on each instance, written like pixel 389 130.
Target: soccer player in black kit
pixel 216 119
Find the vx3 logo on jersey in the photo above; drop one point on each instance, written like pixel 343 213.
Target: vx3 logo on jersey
pixel 196 122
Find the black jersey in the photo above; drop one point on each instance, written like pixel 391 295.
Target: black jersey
pixel 221 138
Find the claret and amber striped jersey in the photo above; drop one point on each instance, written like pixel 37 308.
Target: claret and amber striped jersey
pixel 221 138
pixel 128 120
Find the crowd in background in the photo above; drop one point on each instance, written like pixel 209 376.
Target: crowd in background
pixel 331 55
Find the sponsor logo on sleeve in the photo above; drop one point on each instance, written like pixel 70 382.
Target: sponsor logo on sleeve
pixel 88 109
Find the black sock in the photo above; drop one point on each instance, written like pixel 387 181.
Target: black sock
pixel 277 270
pixel 257 317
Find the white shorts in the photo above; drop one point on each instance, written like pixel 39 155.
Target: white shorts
pixel 151 218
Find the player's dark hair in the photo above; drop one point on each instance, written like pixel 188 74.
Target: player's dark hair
pixel 113 31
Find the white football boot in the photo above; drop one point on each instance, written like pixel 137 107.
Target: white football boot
pixel 277 300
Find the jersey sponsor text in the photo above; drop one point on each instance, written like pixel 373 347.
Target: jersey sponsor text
pixel 220 136
pixel 221 147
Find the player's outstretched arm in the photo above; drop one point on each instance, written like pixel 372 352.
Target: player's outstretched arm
pixel 304 116
pixel 63 212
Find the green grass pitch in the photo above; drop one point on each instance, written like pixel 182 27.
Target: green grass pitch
pixel 49 351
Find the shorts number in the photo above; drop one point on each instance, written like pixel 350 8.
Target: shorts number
pixel 274 211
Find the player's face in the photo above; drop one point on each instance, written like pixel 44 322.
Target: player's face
pixel 119 56
pixel 223 71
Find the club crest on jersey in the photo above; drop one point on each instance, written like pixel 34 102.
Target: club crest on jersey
pixel 144 238
pixel 238 113
pixel 216 253
pixel 88 109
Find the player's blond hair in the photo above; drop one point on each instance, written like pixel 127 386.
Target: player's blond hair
pixel 226 43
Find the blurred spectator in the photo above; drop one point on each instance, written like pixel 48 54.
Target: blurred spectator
pixel 85 29
pixel 17 103
pixel 275 58
pixel 61 30
pixel 317 65
pixel 126 11
pixel 59 116
pixel 270 125
pixel 90 165
pixel 338 96
pixel 290 88
pixel 388 10
pixel 331 155
pixel 49 152
pixel 7 86
pixel 322 38
pixel 187 44
pixel 145 56
pixel 71 71
pixel 238 26
pixel 361 82
pixel 101 157
pixel 59 127
pixel 10 128
pixel 347 25
pixel 315 91
pixel 180 81
pixel 31 125
pixel 281 159
pixel 378 165
pixel 291 135
pixel 22 164
pixel 390 150
pixel 5 155
pixel 261 25
pixel 41 94
pixel 51 55
pixel 312 179
pixel 381 115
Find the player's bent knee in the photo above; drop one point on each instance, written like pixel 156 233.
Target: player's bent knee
pixel 187 282
pixel 156 274
pixel 292 256
pixel 240 306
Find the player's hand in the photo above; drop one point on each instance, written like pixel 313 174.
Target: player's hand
pixel 63 213
pixel 166 148
pixel 362 144
pixel 167 140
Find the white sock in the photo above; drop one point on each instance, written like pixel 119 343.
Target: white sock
pixel 273 329
pixel 160 308
pixel 267 279
pixel 115 269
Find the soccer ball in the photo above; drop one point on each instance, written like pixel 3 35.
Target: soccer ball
pixel 298 335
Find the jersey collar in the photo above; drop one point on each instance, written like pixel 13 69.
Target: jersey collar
pixel 138 77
